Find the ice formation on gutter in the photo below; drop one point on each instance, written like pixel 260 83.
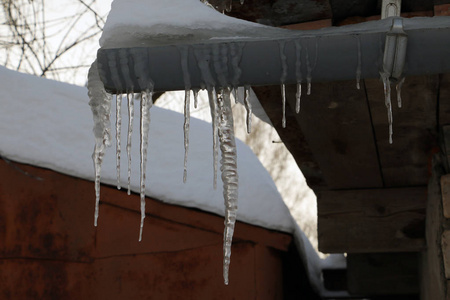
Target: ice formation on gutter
pixel 197 39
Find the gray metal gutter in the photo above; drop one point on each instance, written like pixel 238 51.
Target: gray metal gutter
pixel 336 57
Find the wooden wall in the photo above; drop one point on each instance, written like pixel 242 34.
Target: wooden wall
pixel 51 250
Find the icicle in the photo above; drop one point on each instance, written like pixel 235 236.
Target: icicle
pixel 298 74
pixel 398 87
pixel 195 91
pixel 130 131
pixel 248 107
pixel 214 119
pixel 310 67
pixel 358 68
pixel 187 103
pixel 298 96
pixel 229 5
pixel 308 72
pixel 283 99
pixel 229 174
pixel 100 102
pixel 99 152
pixel 184 52
pixel 284 67
pixel 387 102
pixel 118 130
pixel 146 104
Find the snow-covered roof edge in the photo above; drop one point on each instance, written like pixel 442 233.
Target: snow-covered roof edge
pixel 55 132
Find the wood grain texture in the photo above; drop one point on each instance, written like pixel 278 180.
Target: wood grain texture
pixel 445 190
pixel 383 273
pixel 445 244
pixel 406 161
pixel 50 248
pixel 336 122
pixel 433 283
pixel 373 220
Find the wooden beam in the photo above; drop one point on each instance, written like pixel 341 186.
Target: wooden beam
pixel 444 96
pixel 406 161
pixel 433 283
pixel 445 244
pixel 383 274
pixel 332 138
pixel 374 220
pixel 335 121
pixel 445 190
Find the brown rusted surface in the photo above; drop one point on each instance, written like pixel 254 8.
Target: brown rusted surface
pixel 51 250
pixel 194 219
pixel 44 215
pixel 442 10
pixel 46 279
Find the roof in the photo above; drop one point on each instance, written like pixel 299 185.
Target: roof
pixel 49 124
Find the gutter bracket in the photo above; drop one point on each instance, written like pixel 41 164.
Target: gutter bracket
pixel 395 51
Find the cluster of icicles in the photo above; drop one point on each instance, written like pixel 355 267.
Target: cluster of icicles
pixel 222 125
pixel 216 62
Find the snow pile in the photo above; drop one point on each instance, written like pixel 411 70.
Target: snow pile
pixel 52 128
pixel 133 23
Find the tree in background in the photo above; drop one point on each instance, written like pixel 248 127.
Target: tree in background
pixel 54 39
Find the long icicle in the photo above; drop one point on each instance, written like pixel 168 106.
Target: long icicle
pixel 398 87
pixel 130 132
pixel 215 119
pixel 187 103
pixel 184 52
pixel 146 104
pixel 283 101
pixel 229 174
pixel 248 108
pixel 100 103
pixel 118 131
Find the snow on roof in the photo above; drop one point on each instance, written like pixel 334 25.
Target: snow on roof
pixel 135 22
pixel 49 124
